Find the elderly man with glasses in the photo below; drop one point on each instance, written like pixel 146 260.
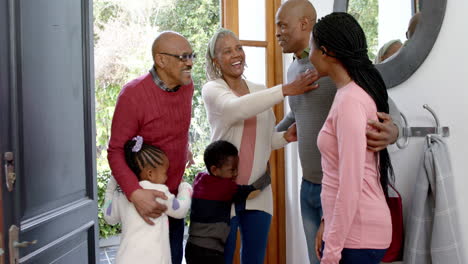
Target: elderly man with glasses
pixel 156 106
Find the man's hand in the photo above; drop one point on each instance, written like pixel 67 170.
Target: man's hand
pixel 386 132
pixel 190 160
pixel 291 134
pixel 319 239
pixel 146 205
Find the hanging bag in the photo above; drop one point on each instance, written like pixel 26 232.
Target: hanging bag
pixel 395 251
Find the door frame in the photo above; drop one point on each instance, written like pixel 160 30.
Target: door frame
pixel 276 249
pixel 8 118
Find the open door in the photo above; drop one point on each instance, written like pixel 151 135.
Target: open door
pixel 49 213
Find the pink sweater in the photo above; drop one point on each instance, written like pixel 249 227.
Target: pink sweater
pixel 355 212
pixel 161 118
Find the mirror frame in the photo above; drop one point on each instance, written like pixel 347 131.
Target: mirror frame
pixel 413 54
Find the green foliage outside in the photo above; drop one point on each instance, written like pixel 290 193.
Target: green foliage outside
pixel 123 34
pixel 105 230
pixel 197 21
pixel 367 14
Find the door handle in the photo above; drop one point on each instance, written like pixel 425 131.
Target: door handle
pixel 15 245
pixel 2 251
pixel 24 244
pixel 9 170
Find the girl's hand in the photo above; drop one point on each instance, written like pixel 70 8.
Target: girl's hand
pixel 319 239
pixel 291 134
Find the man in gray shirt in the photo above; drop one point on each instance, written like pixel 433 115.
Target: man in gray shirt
pixel 294 23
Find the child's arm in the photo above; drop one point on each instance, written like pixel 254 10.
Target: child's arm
pixel 247 192
pixel 178 207
pixel 111 207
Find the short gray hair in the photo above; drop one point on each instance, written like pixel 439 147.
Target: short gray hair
pixel 212 71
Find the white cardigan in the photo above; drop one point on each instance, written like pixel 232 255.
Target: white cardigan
pixel 142 243
pixel 226 115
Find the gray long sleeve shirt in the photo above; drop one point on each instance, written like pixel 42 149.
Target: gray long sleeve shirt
pixel 309 111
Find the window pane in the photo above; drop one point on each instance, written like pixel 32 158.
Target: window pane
pixel 366 13
pixel 378 20
pixel 256 69
pixel 391 27
pixel 252 20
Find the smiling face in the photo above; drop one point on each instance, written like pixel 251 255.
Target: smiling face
pixel 288 32
pixel 294 22
pixel 228 169
pixel 173 71
pixel 229 56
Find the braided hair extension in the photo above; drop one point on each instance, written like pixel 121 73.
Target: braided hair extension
pixel 345 40
pixel 147 155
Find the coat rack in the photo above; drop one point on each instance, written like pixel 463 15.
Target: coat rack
pixel 421 131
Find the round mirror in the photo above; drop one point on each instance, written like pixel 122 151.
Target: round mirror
pixel 400 33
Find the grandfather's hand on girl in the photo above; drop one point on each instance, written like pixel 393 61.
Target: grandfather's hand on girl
pixel 146 205
pixel 304 82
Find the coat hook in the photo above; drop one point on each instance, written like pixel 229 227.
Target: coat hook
pixel 422 131
pixel 404 132
pixel 426 106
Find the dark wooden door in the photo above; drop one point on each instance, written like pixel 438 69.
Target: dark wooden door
pixel 47 131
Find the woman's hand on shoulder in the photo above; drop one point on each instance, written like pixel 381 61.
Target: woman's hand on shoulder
pixel 304 82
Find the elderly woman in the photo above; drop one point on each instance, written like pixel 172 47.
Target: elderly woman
pixel 388 50
pixel 239 111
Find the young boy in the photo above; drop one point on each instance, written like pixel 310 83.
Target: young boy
pixel 214 192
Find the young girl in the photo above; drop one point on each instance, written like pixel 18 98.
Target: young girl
pixel 140 242
pixel 357 220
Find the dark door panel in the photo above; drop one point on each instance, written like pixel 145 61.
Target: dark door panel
pixel 72 249
pixel 50 129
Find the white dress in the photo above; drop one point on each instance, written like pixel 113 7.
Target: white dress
pixel 142 243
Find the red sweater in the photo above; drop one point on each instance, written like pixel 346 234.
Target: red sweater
pixel 161 118
pixel 213 188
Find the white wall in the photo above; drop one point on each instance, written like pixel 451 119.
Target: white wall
pixel 441 83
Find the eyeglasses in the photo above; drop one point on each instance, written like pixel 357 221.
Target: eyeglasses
pixel 183 57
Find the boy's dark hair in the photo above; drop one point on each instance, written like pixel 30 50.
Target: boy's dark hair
pixel 217 153
pixel 148 154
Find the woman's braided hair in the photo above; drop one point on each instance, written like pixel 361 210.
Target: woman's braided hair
pixel 345 40
pixel 147 155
